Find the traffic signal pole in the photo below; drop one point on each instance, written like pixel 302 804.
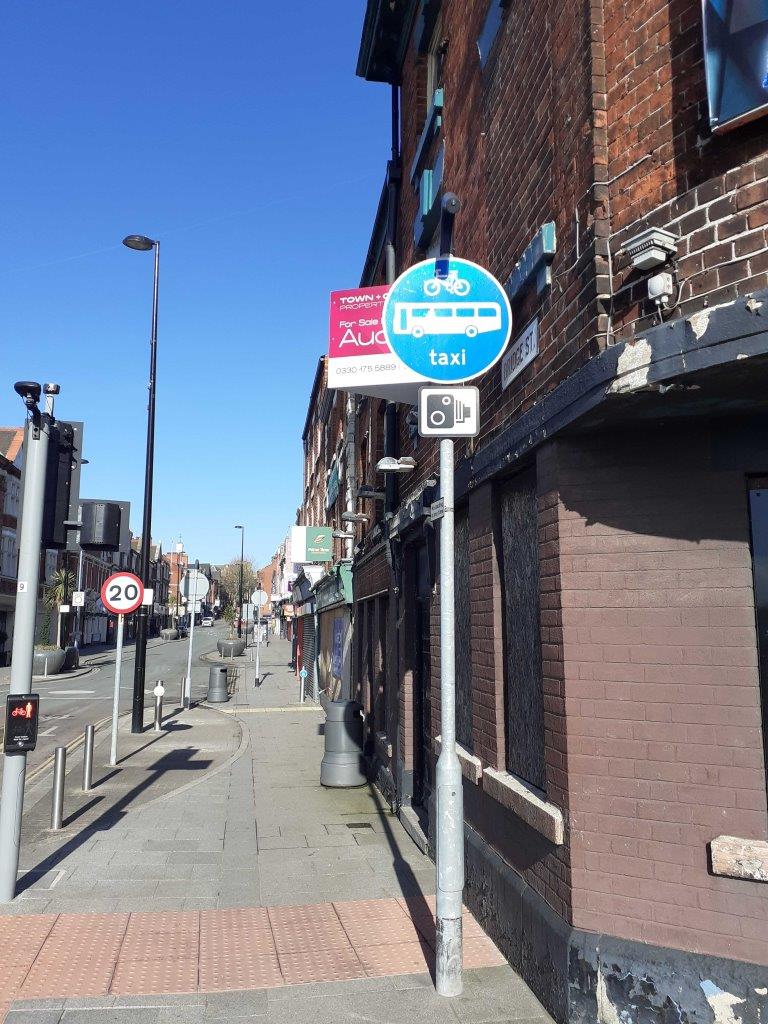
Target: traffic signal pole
pixel 36 438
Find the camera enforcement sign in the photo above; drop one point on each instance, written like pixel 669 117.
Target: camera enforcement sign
pixel 450 326
pixel 21 718
pixel 449 412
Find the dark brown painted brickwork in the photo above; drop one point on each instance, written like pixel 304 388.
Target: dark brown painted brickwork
pixel 661 691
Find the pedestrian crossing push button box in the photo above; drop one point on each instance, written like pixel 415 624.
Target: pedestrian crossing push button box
pixel 22 713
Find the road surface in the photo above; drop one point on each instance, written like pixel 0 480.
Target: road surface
pixel 68 704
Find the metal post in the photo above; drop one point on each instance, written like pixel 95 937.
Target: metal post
pixel 88 758
pixel 258 635
pixel 188 680
pixel 79 616
pixel 15 765
pixel 240 608
pixel 116 697
pixel 450 797
pixel 158 708
pixel 142 624
pixel 59 771
pixel 181 691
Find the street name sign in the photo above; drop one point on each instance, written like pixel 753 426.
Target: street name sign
pixel 520 353
pixel 122 593
pixel 449 328
pixel 449 412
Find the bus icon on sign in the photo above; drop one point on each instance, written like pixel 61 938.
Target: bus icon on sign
pixel 418 319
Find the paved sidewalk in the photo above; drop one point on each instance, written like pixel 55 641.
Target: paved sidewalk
pixel 248 893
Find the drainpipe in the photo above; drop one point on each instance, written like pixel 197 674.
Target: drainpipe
pixel 391 446
pixel 391 438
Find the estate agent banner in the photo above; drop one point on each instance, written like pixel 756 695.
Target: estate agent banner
pixel 360 358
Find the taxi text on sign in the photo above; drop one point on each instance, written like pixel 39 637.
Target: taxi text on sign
pixel 447 329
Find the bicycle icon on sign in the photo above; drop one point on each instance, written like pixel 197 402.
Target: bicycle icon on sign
pixel 453 284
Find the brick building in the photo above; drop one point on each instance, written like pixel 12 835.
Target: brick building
pixel 11 439
pixel 178 563
pixel 611 532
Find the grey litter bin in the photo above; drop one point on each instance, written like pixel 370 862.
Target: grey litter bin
pixel 217 684
pixel 343 763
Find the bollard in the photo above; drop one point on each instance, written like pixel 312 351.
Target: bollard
pixel 158 691
pixel 59 770
pixel 88 758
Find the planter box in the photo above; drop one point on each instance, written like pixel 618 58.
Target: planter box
pixel 231 648
pixel 47 663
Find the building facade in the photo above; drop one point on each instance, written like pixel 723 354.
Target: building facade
pixel 611 535
pixel 10 503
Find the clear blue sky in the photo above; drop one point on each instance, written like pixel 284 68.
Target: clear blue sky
pixel 237 134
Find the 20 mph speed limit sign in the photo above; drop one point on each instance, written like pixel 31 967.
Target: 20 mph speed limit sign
pixel 122 593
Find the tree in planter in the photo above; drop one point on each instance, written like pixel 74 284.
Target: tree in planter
pixel 230 580
pixel 229 617
pixel 56 592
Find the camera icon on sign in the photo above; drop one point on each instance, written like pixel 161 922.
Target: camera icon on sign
pixel 449 412
pixel 444 411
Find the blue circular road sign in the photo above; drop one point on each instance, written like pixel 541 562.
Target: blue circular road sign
pixel 450 328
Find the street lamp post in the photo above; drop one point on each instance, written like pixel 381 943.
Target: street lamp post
pixel 144 244
pixel 240 607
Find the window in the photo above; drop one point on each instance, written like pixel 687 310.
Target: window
pixel 758 517
pixel 463 620
pixel 435 54
pixel 490 29
pixel 519 573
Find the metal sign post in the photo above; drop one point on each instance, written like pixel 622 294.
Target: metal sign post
pixel 258 598
pixel 303 676
pixel 195 588
pixel 116 697
pixel 121 593
pixel 15 765
pixel 448 320
pixel 450 795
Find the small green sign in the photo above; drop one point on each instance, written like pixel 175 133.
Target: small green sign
pixel 319 544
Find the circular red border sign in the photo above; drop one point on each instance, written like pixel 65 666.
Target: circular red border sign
pixel 123 605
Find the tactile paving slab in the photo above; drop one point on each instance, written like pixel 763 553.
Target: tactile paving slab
pixel 154 977
pixel 78 957
pixel 228 932
pixel 397 958
pixel 321 965
pixel 245 970
pixel 307 929
pixel 22 937
pixel 149 953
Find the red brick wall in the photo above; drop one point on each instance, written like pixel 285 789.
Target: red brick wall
pixel 667 170
pixel 661 691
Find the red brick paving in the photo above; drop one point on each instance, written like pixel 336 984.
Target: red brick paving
pixel 47 956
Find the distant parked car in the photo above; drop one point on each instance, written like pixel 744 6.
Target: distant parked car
pixel 207 621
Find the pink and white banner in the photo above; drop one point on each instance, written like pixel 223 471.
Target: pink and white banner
pixel 360 358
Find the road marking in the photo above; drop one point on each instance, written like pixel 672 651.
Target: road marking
pixel 70 693
pixel 48 732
